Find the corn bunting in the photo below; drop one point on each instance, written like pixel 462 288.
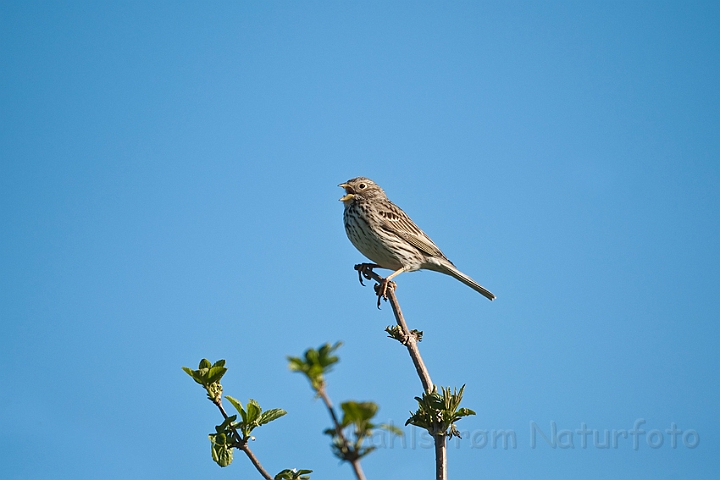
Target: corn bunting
pixel 382 232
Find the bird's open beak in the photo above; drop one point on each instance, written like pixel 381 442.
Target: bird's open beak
pixel 349 196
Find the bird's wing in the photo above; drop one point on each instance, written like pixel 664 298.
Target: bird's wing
pixel 395 221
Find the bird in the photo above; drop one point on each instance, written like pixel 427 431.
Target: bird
pixel 386 235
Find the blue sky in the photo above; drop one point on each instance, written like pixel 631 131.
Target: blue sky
pixel 169 192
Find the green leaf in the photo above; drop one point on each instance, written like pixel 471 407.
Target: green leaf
pixel 226 423
pixel 253 411
pixel 193 375
pixel 204 363
pixel 464 412
pixel 215 374
pixel 392 429
pixel 221 450
pixel 237 404
pixel 296 365
pixel 270 415
pixel 355 412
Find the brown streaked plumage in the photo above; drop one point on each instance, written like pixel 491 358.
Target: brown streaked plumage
pixel 382 232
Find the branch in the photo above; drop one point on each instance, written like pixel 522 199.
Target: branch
pixel 355 462
pixel 242 445
pixel 410 341
pixel 440 457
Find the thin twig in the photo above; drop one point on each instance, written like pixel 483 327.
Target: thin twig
pixel 238 438
pixel 357 469
pixel 242 445
pixel 355 462
pixel 410 341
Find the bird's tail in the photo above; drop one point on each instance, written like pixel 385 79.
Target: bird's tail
pixel 454 272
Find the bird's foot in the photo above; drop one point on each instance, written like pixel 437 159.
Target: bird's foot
pixel 381 289
pixel 364 270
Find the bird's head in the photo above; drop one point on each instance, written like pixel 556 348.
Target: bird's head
pixel 360 188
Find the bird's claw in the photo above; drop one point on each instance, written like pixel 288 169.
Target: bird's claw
pixel 364 270
pixel 381 290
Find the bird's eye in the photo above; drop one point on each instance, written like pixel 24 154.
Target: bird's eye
pixel 361 186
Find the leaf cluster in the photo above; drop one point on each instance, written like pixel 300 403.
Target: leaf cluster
pixel 357 418
pixel 235 434
pixel 438 413
pixel 293 474
pixel 252 416
pixel 316 363
pixel 232 433
pixel 222 443
pixel 395 332
pixel 209 375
